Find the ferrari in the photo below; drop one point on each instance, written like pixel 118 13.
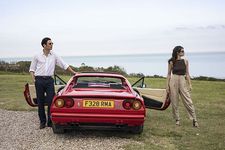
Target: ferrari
pixel 100 101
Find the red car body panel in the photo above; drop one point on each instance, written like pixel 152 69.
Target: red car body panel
pixel 99 93
pixel 78 114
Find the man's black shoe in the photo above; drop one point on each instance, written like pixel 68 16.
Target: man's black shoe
pixel 42 126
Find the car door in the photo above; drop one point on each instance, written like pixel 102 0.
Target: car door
pixel 153 98
pixel 30 92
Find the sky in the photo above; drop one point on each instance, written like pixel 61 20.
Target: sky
pixel 111 27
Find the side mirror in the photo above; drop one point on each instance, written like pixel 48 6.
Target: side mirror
pixel 144 85
pixel 58 82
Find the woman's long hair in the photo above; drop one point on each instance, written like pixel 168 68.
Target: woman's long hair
pixel 176 50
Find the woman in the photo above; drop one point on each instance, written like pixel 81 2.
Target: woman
pixel 178 73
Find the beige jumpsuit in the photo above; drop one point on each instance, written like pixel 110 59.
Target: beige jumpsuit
pixel 178 86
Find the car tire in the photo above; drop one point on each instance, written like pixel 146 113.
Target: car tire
pixel 57 130
pixel 137 129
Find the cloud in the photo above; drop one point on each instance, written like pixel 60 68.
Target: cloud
pixel 211 27
pixel 223 26
pixel 208 27
pixel 182 28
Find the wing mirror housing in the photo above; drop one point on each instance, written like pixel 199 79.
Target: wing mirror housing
pixel 144 86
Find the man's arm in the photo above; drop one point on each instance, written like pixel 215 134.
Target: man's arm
pixel 32 76
pixel 62 64
pixel 71 70
pixel 33 68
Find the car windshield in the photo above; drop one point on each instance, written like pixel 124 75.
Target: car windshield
pixel 98 82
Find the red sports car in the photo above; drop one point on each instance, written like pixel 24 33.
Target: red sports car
pixel 101 100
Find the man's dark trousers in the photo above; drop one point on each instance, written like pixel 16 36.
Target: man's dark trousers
pixel 45 92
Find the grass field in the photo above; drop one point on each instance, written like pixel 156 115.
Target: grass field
pixel 160 131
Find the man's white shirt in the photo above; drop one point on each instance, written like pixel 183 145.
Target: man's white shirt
pixel 43 65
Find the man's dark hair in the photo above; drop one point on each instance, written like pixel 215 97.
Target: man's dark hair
pixel 44 41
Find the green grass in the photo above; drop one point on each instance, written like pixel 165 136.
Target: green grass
pixel 11 91
pixel 160 131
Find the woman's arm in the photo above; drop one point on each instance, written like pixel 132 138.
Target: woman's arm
pixel 170 65
pixel 188 74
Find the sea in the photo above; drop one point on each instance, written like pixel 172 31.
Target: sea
pixel 210 64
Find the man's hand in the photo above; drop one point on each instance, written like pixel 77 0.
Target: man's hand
pixel 32 76
pixel 71 70
pixel 76 73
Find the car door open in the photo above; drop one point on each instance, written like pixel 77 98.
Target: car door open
pixel 30 92
pixel 153 98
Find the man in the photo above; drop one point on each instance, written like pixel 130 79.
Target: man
pixel 42 69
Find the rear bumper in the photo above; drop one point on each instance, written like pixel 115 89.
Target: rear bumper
pixel 77 119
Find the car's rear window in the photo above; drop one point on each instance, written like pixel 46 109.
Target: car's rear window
pixel 98 82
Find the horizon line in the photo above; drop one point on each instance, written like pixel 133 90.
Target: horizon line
pixel 124 54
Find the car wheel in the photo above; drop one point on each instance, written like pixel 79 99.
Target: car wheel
pixel 57 130
pixel 137 129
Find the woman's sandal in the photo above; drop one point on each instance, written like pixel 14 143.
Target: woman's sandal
pixel 195 124
pixel 178 122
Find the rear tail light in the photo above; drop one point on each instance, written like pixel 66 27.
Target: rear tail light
pixel 69 103
pixel 66 102
pixel 127 104
pixel 59 103
pixel 134 104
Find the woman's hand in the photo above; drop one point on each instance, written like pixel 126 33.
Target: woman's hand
pixel 190 87
pixel 168 89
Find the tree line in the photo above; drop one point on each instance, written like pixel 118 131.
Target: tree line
pixel 23 67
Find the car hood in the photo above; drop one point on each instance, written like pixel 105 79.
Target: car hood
pixel 99 93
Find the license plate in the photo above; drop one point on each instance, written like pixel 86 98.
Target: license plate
pixel 98 103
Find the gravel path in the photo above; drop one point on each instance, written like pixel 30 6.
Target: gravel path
pixel 20 130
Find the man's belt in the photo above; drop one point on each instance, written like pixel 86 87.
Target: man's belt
pixel 43 77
